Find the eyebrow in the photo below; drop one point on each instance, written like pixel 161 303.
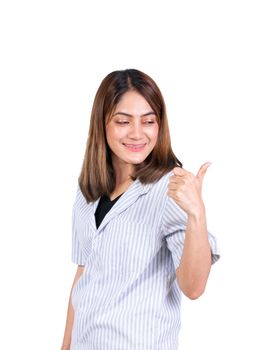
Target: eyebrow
pixel 130 115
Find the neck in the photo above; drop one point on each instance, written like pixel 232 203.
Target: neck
pixel 123 172
pixel 123 181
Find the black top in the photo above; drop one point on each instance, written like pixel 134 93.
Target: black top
pixel 104 205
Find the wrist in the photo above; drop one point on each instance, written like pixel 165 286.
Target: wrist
pixel 196 222
pixel 197 213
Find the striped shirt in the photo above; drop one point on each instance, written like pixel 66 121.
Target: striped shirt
pixel 128 297
pixel 104 205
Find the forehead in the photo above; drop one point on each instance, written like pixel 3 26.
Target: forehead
pixel 132 101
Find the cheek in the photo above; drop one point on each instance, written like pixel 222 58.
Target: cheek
pixel 114 134
pixel 153 134
pixel 110 136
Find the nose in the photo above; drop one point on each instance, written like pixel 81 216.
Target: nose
pixel 135 131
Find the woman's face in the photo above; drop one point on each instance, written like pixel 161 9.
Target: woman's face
pixel 132 130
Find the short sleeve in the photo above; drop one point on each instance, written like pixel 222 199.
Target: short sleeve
pixel 174 227
pixel 77 255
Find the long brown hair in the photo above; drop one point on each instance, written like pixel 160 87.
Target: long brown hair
pixel 97 175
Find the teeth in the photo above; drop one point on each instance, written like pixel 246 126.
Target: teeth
pixel 135 146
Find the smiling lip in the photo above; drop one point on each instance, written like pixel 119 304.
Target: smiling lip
pixel 134 147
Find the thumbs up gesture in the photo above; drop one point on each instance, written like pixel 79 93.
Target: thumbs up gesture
pixel 185 189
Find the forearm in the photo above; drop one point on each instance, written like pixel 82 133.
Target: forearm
pixel 70 313
pixel 195 265
pixel 69 323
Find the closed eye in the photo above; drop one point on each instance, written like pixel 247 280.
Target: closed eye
pixel 147 122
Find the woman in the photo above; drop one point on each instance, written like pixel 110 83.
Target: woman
pixel 139 225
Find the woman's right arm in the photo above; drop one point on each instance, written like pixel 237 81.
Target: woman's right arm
pixel 70 313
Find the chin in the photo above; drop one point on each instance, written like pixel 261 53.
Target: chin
pixel 131 159
pixel 137 160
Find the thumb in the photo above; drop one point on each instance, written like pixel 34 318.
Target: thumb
pixel 202 171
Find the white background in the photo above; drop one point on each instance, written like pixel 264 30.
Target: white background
pixel 211 61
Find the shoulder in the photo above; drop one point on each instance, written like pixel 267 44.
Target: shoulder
pixel 160 186
pixel 79 200
pixel 170 214
pixel 157 191
pixel 163 180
